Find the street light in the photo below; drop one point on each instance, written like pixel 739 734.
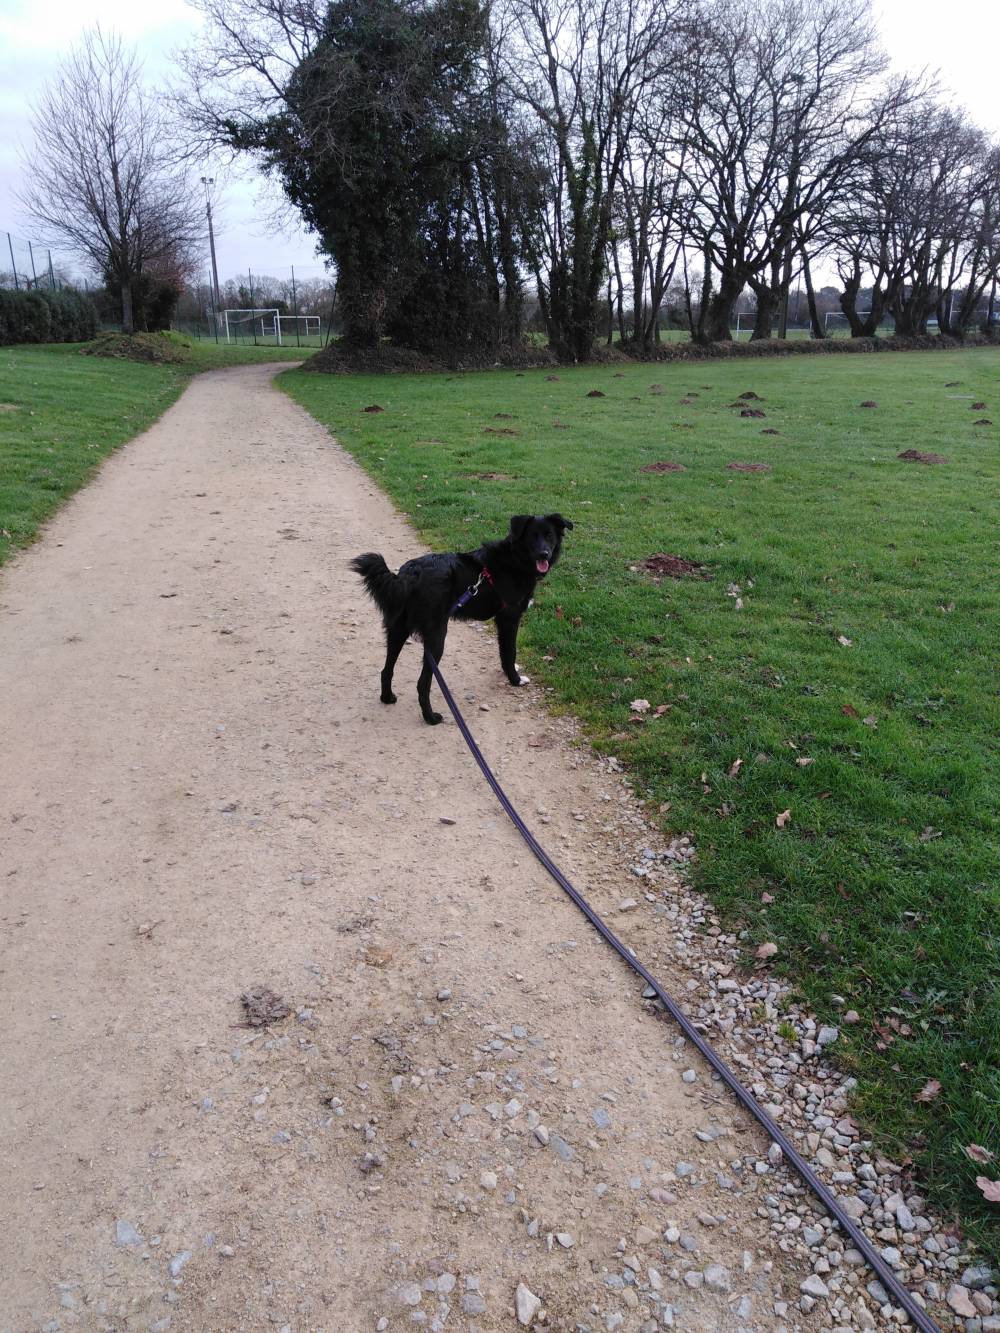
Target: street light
pixel 208 182
pixel 786 277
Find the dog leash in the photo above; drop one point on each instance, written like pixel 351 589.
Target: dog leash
pixel 893 1286
pixel 471 591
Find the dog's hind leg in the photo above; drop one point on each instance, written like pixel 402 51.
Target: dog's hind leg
pixel 434 642
pixel 396 635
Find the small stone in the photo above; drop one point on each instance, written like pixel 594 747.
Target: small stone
pixel 827 1036
pixel 488 1180
pixel 961 1302
pixel 644 1235
pixel 564 1239
pixel 473 1303
pixel 527 1305
pixel 226 1251
pixel 627 905
pixel 126 1234
pixel 694 1280
pixel 601 1118
pixel 408 1294
pixel 541 1134
pixel 445 1284
pixel 178 1262
pixel 814 1286
pixel 382 1325
pixel 717 1278
pixel 689 1076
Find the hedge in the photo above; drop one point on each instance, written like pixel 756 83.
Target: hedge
pixel 46 317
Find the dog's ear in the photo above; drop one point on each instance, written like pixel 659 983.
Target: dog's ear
pixel 517 526
pixel 559 522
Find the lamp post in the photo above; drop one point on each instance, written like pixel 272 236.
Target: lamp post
pixel 208 182
pixel 786 277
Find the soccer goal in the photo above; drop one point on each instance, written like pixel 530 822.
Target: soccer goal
pixel 301 326
pixel 241 325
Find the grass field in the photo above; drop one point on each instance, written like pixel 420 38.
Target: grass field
pixel 61 413
pixel 842 645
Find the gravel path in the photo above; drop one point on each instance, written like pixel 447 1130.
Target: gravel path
pixel 468 1119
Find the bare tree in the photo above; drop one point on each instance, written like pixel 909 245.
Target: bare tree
pixel 101 178
pixel 774 102
pixel 580 68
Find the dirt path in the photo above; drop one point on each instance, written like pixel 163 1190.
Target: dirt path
pixel 201 792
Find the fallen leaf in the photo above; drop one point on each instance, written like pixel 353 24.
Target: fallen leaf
pixel 782 819
pixel 639 705
pixel 767 951
pixel 978 1153
pixel 844 642
pixel 767 897
pixel 735 767
pixel 660 709
pixel 990 1189
pixel 804 762
pixel 929 1091
pixel 849 711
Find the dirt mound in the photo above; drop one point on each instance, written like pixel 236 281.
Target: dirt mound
pixel 596 393
pixel 373 407
pixel 499 430
pixel 748 467
pixel 663 566
pixel 752 412
pixel 869 402
pixel 977 407
pixel 152 348
pixel 916 456
pixel 751 397
pixel 769 430
pixel 663 467
pixel 983 421
pixel 385 360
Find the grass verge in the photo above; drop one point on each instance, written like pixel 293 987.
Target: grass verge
pixel 842 647
pixel 61 413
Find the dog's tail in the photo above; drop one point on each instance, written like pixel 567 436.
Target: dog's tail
pixel 386 589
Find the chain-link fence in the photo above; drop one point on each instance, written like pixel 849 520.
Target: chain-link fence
pixel 274 306
pixel 27 265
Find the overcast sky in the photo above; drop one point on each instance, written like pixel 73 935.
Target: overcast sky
pixel 961 39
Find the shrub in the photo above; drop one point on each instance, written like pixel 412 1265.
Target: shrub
pixel 42 316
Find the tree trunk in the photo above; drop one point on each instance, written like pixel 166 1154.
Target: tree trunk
pixel 716 317
pixel 768 301
pixel 128 321
pixel 818 330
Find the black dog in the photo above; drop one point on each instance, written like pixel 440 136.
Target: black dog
pixel 421 597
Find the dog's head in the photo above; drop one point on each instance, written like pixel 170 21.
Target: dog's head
pixel 537 539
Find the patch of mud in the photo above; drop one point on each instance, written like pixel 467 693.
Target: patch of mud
pixel 752 412
pixel 499 430
pixel 663 566
pixel 869 402
pixel 918 456
pixel 373 407
pixel 663 467
pixel 748 467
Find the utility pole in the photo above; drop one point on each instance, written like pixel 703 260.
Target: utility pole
pixel 208 182
pixel 786 275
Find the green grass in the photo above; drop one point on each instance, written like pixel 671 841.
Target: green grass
pixel 61 413
pixel 884 887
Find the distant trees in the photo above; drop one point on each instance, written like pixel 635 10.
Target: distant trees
pixel 617 162
pixel 101 178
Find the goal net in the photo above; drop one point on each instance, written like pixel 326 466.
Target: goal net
pixel 252 325
pixel 300 326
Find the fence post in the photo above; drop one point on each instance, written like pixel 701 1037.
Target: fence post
pixel 13 262
pixel 295 309
pixel 253 308
pixel 52 276
pixel 34 275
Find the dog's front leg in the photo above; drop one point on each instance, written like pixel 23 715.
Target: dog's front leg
pixel 507 626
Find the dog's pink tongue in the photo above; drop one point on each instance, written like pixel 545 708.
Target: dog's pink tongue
pixel 542 566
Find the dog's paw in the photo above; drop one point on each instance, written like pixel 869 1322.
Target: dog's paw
pixel 388 697
pixel 432 719
pixel 523 680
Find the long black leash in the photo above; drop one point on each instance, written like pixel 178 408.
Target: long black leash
pixel 886 1275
